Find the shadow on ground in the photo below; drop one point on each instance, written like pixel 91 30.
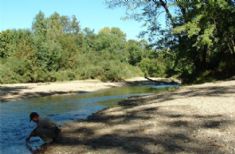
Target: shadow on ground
pixel 139 127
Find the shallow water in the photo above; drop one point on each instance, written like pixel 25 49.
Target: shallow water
pixel 14 120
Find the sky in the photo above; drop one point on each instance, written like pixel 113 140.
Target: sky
pixel 15 14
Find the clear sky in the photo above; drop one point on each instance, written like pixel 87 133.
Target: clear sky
pixel 94 14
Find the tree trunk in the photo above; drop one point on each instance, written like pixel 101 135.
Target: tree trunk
pixel 165 7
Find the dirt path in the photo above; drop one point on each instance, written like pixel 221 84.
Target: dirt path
pixel 193 119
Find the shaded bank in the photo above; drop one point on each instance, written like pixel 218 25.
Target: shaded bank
pixel 193 119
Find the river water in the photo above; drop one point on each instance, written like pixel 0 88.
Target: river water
pixel 14 120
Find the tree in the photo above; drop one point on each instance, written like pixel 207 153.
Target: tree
pixel 111 39
pixel 6 43
pixel 56 49
pixel 200 33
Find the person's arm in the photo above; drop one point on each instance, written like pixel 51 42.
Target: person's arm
pixel 33 133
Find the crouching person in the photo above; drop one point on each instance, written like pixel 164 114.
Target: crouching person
pixel 47 130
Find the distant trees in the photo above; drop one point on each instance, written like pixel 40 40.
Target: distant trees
pixel 198 34
pixel 56 48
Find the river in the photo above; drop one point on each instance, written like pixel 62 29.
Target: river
pixel 14 115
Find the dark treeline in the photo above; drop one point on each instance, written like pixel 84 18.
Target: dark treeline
pixel 56 49
pixel 199 34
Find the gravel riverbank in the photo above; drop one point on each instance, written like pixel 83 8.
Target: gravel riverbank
pixel 193 119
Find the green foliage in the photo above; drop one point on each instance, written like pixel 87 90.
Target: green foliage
pixel 200 34
pixel 56 49
pixel 66 75
pixel 116 71
pixel 41 75
pixel 196 44
pixel 136 52
pixel 7 75
pixel 153 67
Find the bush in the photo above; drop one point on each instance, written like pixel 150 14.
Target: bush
pixel 15 70
pixel 64 75
pixel 7 75
pixel 153 67
pixel 117 71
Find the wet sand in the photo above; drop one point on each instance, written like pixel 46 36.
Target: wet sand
pixel 192 119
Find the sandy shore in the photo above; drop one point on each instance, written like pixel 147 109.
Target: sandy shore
pixel 18 91
pixel 193 119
